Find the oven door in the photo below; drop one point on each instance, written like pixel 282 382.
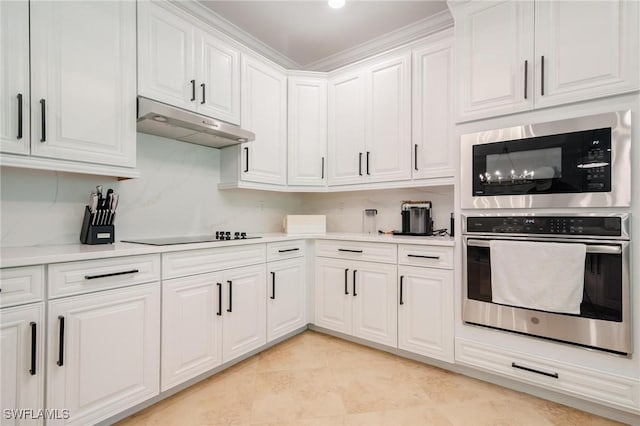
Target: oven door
pixel 604 318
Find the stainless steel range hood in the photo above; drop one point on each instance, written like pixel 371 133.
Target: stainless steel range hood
pixel 164 120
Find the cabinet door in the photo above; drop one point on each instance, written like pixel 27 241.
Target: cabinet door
pixel 333 294
pixel 14 80
pixel 244 316
pixel 192 327
pixel 388 128
pixel 264 112
pixel 375 313
pixel 346 141
pixel 166 61
pixel 83 73
pixel 103 352
pixel 22 358
pixel 218 79
pixel 590 50
pixel 286 299
pixel 494 58
pixel 307 137
pixel 425 312
pixel 433 144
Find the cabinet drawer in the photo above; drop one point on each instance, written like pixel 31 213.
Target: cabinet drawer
pixel 285 250
pixel 372 252
pixel 191 262
pixel 91 275
pixel 598 386
pixel 21 285
pixel 429 256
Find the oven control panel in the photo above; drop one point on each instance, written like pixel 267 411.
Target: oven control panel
pixel 550 225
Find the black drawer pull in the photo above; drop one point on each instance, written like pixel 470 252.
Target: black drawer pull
pixel 273 286
pixel 401 282
pixel 32 370
pixel 60 361
pixel 423 256
pixel 43 120
pixel 19 116
pixel 113 274
pixel 346 289
pixel 219 313
pixel 193 90
pixel 322 170
pixel 230 308
pixel 532 370
pixel 360 164
pixel 350 251
pixel 542 76
pixel 415 157
pixel 526 66
pixel 288 250
pixel 368 153
pixel 203 93
pixel 246 152
pixel 354 283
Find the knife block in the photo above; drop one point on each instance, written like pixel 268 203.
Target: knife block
pixel 95 234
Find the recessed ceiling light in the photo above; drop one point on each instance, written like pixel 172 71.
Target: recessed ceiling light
pixel 336 4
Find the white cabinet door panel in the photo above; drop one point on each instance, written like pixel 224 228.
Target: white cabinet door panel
pixel 590 49
pixel 286 300
pixel 333 294
pixel 388 134
pixel 83 89
pixel 374 302
pixel 14 79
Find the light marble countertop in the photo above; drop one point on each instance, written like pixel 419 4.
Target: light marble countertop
pixel 36 255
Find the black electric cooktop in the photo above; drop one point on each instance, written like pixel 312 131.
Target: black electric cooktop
pixel 167 241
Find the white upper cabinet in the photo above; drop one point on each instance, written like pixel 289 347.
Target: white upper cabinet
pixel 346 128
pixel 307 131
pixel 494 48
pixel 14 82
pixel 433 144
pixel 264 112
pixel 83 91
pixel 590 49
pixel 388 121
pixel 185 66
pixel 514 56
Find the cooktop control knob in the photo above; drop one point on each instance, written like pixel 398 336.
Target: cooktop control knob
pixel 236 235
pixel 243 235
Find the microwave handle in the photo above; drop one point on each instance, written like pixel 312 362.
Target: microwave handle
pixel 591 249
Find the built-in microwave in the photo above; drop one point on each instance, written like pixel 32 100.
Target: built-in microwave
pixel 580 162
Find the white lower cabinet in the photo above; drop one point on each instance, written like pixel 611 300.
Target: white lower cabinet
pixel 191 327
pixel 357 298
pixel 286 297
pixel 103 352
pixel 425 312
pixel 22 359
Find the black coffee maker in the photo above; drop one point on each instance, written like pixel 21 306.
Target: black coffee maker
pixel 416 218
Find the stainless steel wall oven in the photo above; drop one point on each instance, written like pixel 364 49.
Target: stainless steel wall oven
pixel 604 318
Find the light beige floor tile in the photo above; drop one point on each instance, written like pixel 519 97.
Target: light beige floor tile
pixel 405 416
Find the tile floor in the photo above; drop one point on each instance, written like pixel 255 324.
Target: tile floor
pixel 315 379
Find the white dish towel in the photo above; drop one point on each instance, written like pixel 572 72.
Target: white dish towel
pixel 538 275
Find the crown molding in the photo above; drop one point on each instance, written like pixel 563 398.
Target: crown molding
pixel 208 16
pixel 417 30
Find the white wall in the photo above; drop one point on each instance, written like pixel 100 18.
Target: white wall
pixel 344 210
pixel 177 195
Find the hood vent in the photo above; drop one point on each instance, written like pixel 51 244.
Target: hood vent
pixel 164 120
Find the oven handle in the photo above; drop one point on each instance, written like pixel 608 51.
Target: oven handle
pixel 591 248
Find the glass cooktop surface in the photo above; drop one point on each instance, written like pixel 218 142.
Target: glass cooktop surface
pixel 167 241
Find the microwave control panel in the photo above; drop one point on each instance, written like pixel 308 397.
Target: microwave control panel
pixel 549 225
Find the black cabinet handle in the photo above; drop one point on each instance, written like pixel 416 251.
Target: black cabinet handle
pixel 415 157
pixel 322 170
pixel 346 289
pixel 350 251
pixel 533 370
pixel 354 282
pixel 526 73
pixel 43 120
pixel 193 90
pixel 287 250
pixel 19 116
pixel 360 163
pixel 60 361
pixel 203 93
pixel 219 313
pixel 368 163
pixel 113 274
pixel 542 76
pixel 401 282
pixel 423 257
pixel 246 156
pixel 273 286
pixel 34 340
pixel 229 309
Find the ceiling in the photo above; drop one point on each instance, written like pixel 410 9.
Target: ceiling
pixel 310 32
